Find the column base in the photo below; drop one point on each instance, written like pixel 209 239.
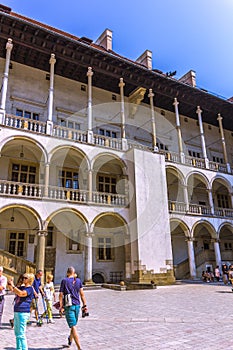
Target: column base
pixel 89 283
pixel 90 138
pixel 2 116
pixel 124 145
pixel 49 127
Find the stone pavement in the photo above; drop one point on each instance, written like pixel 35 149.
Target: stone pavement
pixel 178 317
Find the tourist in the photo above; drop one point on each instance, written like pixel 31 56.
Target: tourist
pixel 3 283
pixel 72 286
pixel 24 295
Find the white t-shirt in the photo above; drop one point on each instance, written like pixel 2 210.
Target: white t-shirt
pixel 49 290
pixel 3 282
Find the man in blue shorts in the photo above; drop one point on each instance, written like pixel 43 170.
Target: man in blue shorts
pixel 73 286
pixel 37 286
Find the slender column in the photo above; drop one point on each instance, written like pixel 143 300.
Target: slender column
pixel 89 105
pixel 123 134
pixel 191 255
pixel 180 145
pixel 88 259
pixel 90 189
pixel 40 259
pixel 211 202
pixel 219 119
pixel 217 254
pixel 52 62
pixel 151 95
pixel 46 180
pixel 199 111
pixel 186 198
pixel 9 47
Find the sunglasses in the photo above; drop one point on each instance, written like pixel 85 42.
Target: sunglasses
pixel 25 278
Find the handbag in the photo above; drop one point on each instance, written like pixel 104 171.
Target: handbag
pixel 67 300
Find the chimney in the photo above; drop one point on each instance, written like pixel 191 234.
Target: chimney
pixel 105 39
pixel 189 78
pixel 146 59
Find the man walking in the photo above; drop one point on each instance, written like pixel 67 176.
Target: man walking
pixel 3 283
pixel 37 289
pixel 72 286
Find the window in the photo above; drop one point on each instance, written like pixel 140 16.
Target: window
pixel 161 146
pixel 223 201
pixel 27 114
pixel 73 242
pixel 68 179
pixel 49 237
pixel 23 173
pixel 17 243
pixel 206 246
pixel 108 133
pixel 194 154
pixel 105 248
pixel 228 246
pixel 68 123
pixel 73 245
pixel 217 159
pixel 107 184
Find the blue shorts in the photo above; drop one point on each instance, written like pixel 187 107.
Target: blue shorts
pixel 71 313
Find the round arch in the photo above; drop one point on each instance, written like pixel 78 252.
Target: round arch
pixel 28 139
pixel 109 157
pixel 27 208
pixel 69 148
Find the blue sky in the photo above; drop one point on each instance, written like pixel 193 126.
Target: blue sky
pixel 182 34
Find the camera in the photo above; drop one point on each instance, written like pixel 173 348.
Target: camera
pixel 84 313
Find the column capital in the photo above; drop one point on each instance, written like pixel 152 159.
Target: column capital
pixel 219 117
pixel 190 239
pixel 215 240
pixel 89 234
pixel 121 83
pixel 9 44
pixel 175 103
pixel 198 110
pixel 151 94
pixel 52 59
pixel 42 233
pixel 89 72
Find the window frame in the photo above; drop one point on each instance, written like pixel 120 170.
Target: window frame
pixel 104 245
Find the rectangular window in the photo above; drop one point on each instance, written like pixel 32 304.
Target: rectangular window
pixel 105 250
pixel 107 184
pixel 223 201
pixel 68 179
pixel 23 173
pixel 49 237
pixel 194 154
pixel 27 114
pixel 217 159
pixel 68 123
pixel 17 243
pixel 107 133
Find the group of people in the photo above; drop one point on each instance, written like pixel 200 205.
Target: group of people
pixel 226 275
pixel 27 291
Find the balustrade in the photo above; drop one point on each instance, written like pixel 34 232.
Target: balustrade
pixel 177 206
pixel 109 198
pixel 105 141
pixel 25 123
pixel 11 188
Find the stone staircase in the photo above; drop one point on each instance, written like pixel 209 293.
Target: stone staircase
pixel 14 266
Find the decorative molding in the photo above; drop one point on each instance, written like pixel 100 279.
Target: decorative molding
pixel 25 100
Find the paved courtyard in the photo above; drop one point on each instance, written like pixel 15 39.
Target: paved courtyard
pixel 185 316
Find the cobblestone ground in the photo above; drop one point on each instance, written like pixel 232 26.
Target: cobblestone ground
pixel 179 317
